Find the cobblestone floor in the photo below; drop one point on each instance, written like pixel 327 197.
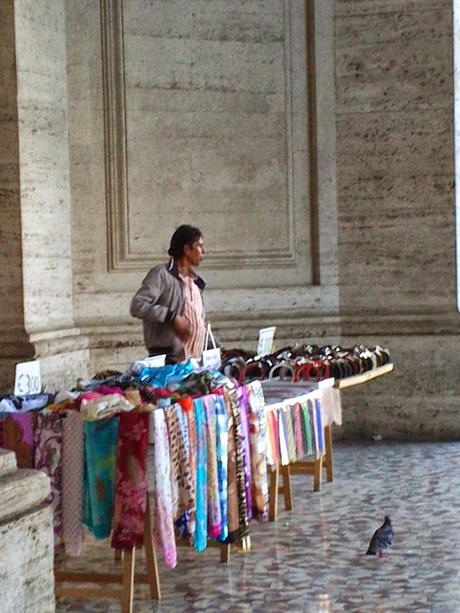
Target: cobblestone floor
pixel 311 560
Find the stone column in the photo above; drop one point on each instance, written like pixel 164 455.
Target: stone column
pixel 37 313
pixel 26 539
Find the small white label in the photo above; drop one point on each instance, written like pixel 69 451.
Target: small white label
pixel 155 361
pixel 212 359
pixel 28 379
pixel 265 342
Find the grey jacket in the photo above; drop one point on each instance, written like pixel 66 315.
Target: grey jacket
pixel 160 298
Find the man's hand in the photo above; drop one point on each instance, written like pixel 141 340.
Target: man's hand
pixel 181 327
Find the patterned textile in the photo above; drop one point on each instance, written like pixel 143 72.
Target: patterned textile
pixel 186 495
pixel 314 427
pixel 131 483
pixel 298 431
pixel 320 429
pixel 214 510
pixel 173 426
pixel 258 442
pixel 201 532
pixel 232 490
pixel 48 458
pixel 72 483
pixel 222 461
pixel 270 437
pixel 244 416
pixel 100 445
pixel 187 406
pixel 159 487
pixel 275 436
pixel 243 522
pixel 287 410
pixel 19 436
pixel 306 428
pixel 283 436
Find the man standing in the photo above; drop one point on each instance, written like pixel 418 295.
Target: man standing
pixel 170 303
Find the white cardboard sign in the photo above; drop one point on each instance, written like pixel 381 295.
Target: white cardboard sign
pixel 265 342
pixel 155 361
pixel 27 379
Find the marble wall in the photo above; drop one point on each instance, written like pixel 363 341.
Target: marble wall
pixel 204 118
pixel 311 141
pixel 396 212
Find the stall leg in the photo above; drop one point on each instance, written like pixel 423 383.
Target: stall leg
pixel 329 458
pixel 273 494
pixel 287 487
pixel 128 580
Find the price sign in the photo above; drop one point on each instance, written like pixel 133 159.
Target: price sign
pixel 212 359
pixel 155 361
pixel 28 379
pixel 265 342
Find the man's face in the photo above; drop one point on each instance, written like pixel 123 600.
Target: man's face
pixel 195 252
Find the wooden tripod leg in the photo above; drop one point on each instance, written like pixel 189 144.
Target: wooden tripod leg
pixel 317 468
pixel 128 580
pixel 329 457
pixel 225 552
pixel 151 556
pixel 273 494
pixel 287 487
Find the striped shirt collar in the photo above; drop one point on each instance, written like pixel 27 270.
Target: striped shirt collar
pixel 172 268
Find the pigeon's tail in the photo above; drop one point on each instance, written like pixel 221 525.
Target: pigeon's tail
pixel 371 551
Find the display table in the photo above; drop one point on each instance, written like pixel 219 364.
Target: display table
pixel 276 390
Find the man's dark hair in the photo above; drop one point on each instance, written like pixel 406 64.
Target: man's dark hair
pixel 184 235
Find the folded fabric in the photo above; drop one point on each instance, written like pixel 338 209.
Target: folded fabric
pixel 36 402
pixel 163 376
pixel 104 406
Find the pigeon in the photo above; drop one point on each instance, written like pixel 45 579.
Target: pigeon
pixel 381 539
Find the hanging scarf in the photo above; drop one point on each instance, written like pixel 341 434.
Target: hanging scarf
pixel 232 489
pixel 306 428
pixel 297 423
pixel 159 487
pixel 172 424
pixel 188 409
pixel 244 415
pixel 100 444
pixel 222 462
pixel 243 522
pixel 130 498
pixel 214 512
pixel 48 458
pixel 287 410
pixel 258 442
pixel 72 483
pixel 319 422
pixel 283 436
pixel 201 531
pixel 186 495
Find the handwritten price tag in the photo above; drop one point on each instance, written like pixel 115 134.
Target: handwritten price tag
pixel 265 343
pixel 28 379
